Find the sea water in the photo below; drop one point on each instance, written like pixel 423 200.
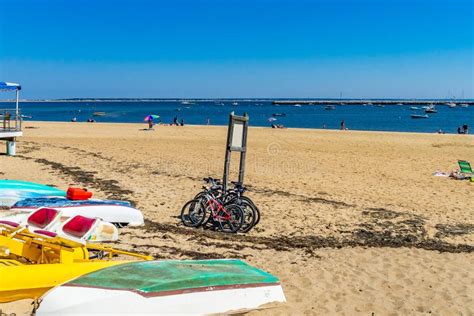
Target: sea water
pixel 262 113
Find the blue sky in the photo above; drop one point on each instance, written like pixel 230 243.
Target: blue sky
pixel 227 48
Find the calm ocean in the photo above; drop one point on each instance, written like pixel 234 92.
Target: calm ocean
pixel 356 117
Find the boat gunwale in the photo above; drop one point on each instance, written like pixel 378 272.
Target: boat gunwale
pixel 178 292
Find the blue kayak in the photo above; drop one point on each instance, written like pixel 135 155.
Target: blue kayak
pixel 58 202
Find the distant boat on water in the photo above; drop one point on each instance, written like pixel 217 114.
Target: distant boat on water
pixel 98 114
pixel 235 103
pixel 419 116
pixel 297 105
pixel 379 105
pixel 451 104
pixel 464 105
pixel 414 108
pixel 330 107
pixel 278 114
pixel 431 109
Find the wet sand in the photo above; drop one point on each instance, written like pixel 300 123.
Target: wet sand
pixel 352 222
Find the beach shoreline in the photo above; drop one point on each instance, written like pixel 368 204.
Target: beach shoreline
pixel 143 125
pixel 352 221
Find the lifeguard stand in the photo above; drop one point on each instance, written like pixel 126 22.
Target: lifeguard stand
pixel 236 141
pixel 10 119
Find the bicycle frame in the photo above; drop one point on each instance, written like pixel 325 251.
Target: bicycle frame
pixel 213 204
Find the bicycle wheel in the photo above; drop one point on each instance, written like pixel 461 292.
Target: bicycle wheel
pixel 255 208
pixel 193 213
pixel 250 215
pixel 235 220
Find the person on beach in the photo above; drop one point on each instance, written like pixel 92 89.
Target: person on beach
pixel 175 121
pixel 150 123
pixel 182 122
pixel 74 119
pixel 343 125
pixel 208 121
pixel 6 120
pixel 465 129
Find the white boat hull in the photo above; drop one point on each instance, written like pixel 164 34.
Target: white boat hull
pixel 108 213
pixel 68 300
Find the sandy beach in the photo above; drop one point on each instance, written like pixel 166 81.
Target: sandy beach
pixel 352 222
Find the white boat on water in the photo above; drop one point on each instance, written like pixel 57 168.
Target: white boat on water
pixel 431 109
pixel 414 108
pixel 330 107
pixel 419 116
pixel 451 104
pixel 297 105
pixel 191 287
pixel 464 105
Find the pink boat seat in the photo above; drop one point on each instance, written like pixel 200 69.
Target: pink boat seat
pixel 78 226
pixel 45 233
pixel 9 223
pixel 43 217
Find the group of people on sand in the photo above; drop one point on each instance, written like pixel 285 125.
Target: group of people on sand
pixel 463 129
pixel 89 120
pixel 176 122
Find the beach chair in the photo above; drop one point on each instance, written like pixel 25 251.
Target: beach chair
pixel 465 167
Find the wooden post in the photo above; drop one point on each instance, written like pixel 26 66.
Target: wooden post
pixel 236 141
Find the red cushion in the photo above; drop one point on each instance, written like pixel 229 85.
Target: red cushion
pixel 45 232
pixel 78 226
pixel 12 224
pixel 78 194
pixel 42 217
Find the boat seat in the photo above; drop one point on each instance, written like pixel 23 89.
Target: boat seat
pixel 45 233
pixel 79 227
pixel 43 218
pixel 9 223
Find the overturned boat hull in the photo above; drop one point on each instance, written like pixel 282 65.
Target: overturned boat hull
pixel 118 212
pixel 165 287
pixel 12 191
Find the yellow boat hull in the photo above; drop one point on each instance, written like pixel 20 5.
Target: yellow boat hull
pixel 22 281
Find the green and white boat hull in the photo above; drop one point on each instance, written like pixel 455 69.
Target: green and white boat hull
pixel 166 287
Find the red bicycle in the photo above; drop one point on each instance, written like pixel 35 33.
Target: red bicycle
pixel 228 218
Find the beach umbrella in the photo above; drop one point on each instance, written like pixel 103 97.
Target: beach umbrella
pixel 151 117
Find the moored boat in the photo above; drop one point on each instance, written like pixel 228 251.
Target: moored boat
pixel 419 116
pixel 330 107
pixel 451 104
pixel 431 109
pixel 170 287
